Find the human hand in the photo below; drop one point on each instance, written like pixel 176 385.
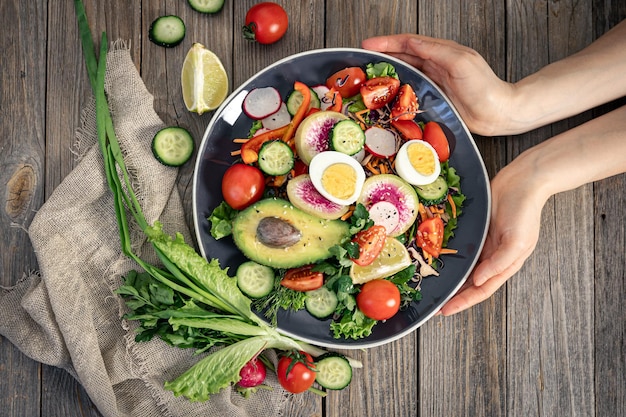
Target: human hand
pixel 513 233
pixel 484 101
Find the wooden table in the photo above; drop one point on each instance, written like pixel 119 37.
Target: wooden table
pixel 549 343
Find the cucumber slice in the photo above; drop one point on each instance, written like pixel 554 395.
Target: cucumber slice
pixel 295 99
pixel 276 158
pixel 433 193
pixel 347 137
pixel 206 6
pixel 333 371
pixel 321 303
pixel 172 146
pixel 255 280
pixel 167 31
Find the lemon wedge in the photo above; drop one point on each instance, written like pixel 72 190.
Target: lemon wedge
pixel 204 80
pixel 392 259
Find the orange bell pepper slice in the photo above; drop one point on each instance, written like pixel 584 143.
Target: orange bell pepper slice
pixel 250 149
pixel 300 113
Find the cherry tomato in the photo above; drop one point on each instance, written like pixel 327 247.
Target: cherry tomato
pixel 302 279
pixel 405 107
pixel 434 135
pixel 371 242
pixel 379 299
pixel 266 23
pixel 242 185
pixel 408 129
pixel 347 81
pixel 430 235
pixel 379 91
pixel 300 167
pixel 296 372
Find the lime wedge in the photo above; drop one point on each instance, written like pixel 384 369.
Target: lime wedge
pixel 204 80
pixel 392 259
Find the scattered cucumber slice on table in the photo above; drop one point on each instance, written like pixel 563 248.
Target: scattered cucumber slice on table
pixel 167 31
pixel 333 371
pixel 321 303
pixel 206 6
pixel 172 146
pixel 276 158
pixel 347 137
pixel 433 193
pixel 255 280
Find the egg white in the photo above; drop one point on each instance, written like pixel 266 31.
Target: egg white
pixel 323 160
pixel 407 172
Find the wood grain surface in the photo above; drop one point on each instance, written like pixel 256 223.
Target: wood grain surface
pixel 551 342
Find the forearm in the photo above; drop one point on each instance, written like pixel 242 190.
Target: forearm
pixel 587 153
pixel 593 76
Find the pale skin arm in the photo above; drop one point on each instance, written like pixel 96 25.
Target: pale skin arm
pixel 490 106
pixel 587 153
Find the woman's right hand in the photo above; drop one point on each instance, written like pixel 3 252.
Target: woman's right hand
pixel 483 100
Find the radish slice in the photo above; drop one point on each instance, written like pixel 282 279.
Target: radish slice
pixel 261 102
pixel 380 142
pixel 277 119
pixel 385 214
pixel 261 131
pixel 321 91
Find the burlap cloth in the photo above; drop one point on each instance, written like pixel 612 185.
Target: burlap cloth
pixel 67 315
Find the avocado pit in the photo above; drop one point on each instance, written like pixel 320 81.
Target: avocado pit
pixel 277 233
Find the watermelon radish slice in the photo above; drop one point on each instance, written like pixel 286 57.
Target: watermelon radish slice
pixel 312 135
pixel 303 195
pixel 261 102
pixel 277 119
pixel 380 142
pixel 385 214
pixel 394 190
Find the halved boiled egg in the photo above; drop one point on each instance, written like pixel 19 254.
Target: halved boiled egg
pixel 337 176
pixel 417 162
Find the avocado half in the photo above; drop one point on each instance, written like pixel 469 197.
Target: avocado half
pixel 273 232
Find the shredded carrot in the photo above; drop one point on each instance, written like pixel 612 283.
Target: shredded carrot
pixel 452 206
pixel 240 140
pixel 370 167
pixel 359 116
pixel 235 153
pixel 348 214
pixel 447 251
pixel 428 257
pixel 422 211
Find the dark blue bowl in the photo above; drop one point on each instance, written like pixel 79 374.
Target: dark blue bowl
pixel 312 68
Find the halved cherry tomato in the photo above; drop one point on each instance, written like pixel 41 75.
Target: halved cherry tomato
pixel 379 299
pixel 405 107
pixel 242 185
pixel 430 235
pixel 371 242
pixel 300 168
pixel 296 372
pixel 347 81
pixel 434 135
pixel 302 279
pixel 266 23
pixel 408 129
pixel 379 91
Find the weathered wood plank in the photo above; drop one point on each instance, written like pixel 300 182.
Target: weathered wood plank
pixel 454 350
pixel 22 178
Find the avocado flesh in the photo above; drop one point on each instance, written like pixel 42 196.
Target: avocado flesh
pixel 309 239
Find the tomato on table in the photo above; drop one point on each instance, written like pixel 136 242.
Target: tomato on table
pixel 379 299
pixel 408 129
pixel 371 242
pixel 347 81
pixel 405 107
pixel 296 371
pixel 430 235
pixel 242 185
pixel 302 279
pixel 434 134
pixel 377 92
pixel 266 23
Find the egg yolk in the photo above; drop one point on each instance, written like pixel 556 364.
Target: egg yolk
pixel 339 180
pixel 421 158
